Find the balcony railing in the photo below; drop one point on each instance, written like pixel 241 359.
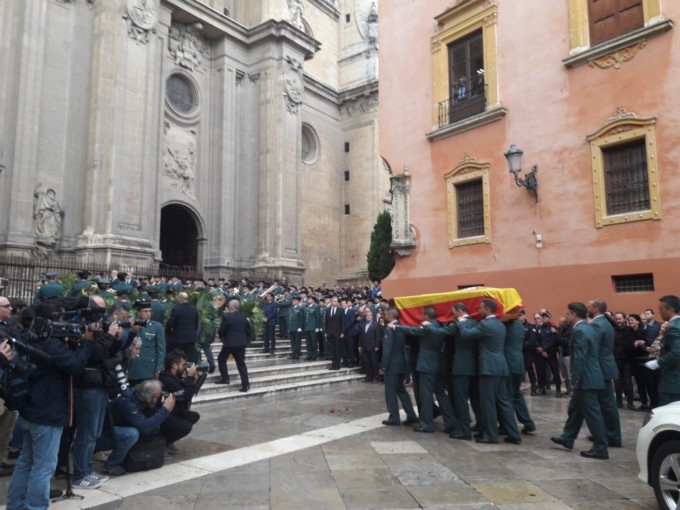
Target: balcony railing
pixel 463 105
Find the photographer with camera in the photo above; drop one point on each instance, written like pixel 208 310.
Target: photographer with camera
pixel 145 409
pixel 47 410
pixel 93 388
pixel 181 380
pixel 149 363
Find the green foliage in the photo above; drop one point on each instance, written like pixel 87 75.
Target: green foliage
pixel 380 256
pixel 253 310
pixel 68 280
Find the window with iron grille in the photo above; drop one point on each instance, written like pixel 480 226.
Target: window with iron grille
pixel 626 178
pixel 611 18
pixel 634 282
pixel 470 209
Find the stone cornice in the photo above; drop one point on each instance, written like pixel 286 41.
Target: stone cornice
pixel 364 90
pixel 322 90
pixel 273 30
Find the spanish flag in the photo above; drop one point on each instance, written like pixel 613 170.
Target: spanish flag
pixel 411 307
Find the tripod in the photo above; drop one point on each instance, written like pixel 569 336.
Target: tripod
pixel 67 443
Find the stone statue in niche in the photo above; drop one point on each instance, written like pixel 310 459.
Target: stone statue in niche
pixel 294 84
pixel 47 214
pixel 179 157
pixel 295 10
pixel 186 45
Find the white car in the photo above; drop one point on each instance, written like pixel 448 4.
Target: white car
pixel 658 454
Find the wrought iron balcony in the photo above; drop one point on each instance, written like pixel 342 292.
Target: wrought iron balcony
pixel 465 104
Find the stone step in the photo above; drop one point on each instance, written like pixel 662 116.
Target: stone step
pixel 258 380
pixel 232 393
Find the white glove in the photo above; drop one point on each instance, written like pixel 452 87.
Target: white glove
pixel 317 330
pixel 653 365
pixel 299 330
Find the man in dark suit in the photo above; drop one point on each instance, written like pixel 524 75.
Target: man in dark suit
pixel 348 341
pixel 586 381
pixel 495 405
pixel 430 366
pixel 369 345
pixel 271 314
pixel 234 333
pixel 183 327
pixel 669 361
pixel 334 330
pixel 394 365
pixel 606 397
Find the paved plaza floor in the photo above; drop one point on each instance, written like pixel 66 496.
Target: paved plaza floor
pixel 329 450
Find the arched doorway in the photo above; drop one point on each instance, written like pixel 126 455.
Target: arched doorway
pixel 179 236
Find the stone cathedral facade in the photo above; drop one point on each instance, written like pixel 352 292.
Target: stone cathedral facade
pixel 228 135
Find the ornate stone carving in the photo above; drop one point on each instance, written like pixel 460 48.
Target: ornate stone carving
pixel 403 234
pixel 295 10
pixel 468 158
pixel 187 46
pixel 620 114
pixel 254 78
pixel 239 77
pixel 618 58
pixel 47 214
pixel 179 157
pixel 294 85
pixel 141 18
pixel 359 108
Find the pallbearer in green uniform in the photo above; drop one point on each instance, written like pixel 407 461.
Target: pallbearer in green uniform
pixel 312 328
pixel 586 381
pixel 296 321
pixel 50 289
pixel 77 289
pixel 495 405
pixel 430 366
pixel 514 340
pixel 394 365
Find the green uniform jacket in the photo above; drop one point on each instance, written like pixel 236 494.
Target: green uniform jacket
pixel 605 333
pixel 490 333
pixel 464 358
pixel 394 357
pixel 669 361
pixel 284 306
pixel 514 338
pixel 152 354
pixel 430 354
pixel 296 318
pixel 158 310
pixel 47 291
pixel 77 289
pixel 586 373
pixel 312 317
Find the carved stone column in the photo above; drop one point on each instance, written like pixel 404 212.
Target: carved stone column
pixel 403 234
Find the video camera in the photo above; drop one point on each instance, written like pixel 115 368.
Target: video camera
pixel 77 313
pixel 179 394
pixel 200 377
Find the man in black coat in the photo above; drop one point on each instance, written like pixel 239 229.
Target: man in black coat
pixel 183 327
pixel 234 333
pixel 370 341
pixel 334 329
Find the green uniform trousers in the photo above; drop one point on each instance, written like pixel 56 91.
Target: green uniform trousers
pixel 433 384
pixel 395 392
pixel 496 408
pixel 584 404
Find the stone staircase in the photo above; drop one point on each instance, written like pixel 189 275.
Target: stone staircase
pixel 273 374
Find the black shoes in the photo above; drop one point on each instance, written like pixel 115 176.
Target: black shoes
pixel 485 441
pixel 421 429
pixel 528 430
pixel 244 388
pixel 590 454
pixel 513 440
pixel 222 381
pixel 410 421
pixel 562 442
pixel 391 423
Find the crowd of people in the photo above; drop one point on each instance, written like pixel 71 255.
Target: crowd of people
pixel 134 369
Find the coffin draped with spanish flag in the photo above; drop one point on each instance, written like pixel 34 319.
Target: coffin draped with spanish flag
pixel 411 307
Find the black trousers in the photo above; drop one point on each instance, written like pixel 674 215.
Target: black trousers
pixel 371 364
pixel 529 364
pixel 335 348
pixel 624 384
pixel 283 327
pixel 175 427
pixel 551 362
pixel 239 354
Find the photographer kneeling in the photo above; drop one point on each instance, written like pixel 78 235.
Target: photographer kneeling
pixel 179 379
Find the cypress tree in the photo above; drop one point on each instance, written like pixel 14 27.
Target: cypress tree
pixel 380 256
